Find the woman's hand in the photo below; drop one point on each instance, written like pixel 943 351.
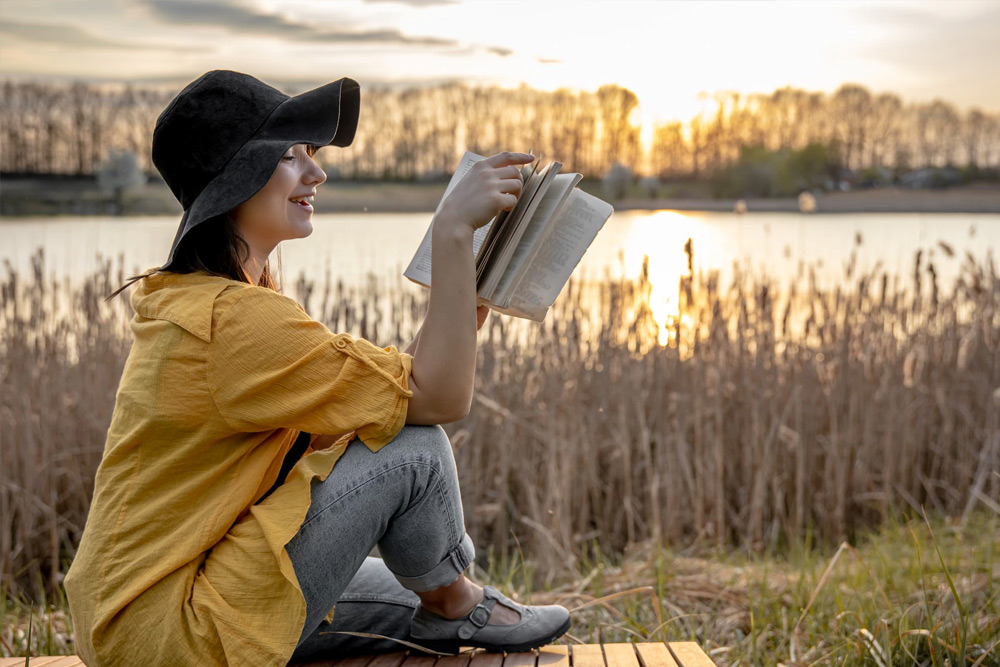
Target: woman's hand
pixel 491 185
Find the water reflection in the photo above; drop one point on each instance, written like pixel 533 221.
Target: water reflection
pixel 781 246
pixel 789 251
pixel 659 240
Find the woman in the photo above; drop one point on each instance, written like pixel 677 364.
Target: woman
pixel 221 532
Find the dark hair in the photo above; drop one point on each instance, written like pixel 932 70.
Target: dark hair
pixel 216 247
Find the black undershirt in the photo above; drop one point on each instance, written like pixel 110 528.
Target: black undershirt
pixel 291 458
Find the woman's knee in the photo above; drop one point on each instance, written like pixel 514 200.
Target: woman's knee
pixel 428 442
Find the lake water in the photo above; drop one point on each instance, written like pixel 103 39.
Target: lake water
pixel 779 245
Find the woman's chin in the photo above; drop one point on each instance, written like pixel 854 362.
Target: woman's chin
pixel 301 229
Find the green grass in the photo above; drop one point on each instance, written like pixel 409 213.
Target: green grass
pixel 912 593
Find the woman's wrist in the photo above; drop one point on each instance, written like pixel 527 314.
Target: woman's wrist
pixel 449 228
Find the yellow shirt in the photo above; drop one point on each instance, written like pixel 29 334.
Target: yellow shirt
pixel 177 564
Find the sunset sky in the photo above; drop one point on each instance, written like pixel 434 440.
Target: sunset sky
pixel 667 52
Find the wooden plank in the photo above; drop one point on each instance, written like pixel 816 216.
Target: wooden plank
pixel 486 660
pixel 689 654
pixel 352 661
pixel 523 659
pixel 651 654
pixel 453 661
pixel 553 655
pixel 655 654
pixel 44 661
pixel 386 660
pixel 620 655
pixel 419 660
pixel 588 655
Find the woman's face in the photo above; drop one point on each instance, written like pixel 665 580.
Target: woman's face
pixel 274 213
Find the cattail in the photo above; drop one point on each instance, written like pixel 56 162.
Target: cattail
pixel 966 348
pixel 582 413
pixel 913 366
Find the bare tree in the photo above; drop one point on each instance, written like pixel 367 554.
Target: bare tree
pixel 975 130
pixel 59 128
pixel 851 105
pixel 883 128
pixel 616 107
pixel 668 150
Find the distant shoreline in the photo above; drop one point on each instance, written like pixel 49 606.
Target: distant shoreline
pixel 23 197
pixel 965 199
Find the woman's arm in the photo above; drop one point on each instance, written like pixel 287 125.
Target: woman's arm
pixel 481 313
pixel 412 347
pixel 444 359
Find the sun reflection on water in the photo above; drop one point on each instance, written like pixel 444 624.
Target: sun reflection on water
pixel 661 237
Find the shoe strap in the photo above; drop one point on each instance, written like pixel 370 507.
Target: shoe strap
pixel 478 617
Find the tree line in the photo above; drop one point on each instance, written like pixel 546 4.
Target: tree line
pixel 421 132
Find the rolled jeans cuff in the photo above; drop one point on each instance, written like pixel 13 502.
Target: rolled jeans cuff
pixel 444 573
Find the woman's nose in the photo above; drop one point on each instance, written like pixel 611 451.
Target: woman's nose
pixel 315 174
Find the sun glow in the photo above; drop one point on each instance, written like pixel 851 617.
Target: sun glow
pixel 659 239
pixel 667 53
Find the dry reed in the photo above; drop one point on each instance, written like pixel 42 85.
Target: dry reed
pixel 768 417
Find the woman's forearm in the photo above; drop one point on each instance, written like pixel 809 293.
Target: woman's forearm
pixel 443 374
pixel 444 359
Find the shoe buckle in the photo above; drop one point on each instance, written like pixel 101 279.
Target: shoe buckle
pixel 480 616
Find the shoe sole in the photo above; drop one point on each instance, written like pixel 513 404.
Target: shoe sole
pixel 453 647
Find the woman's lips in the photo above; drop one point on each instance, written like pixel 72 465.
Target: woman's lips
pixel 303 204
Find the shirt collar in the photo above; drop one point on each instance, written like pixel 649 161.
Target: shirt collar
pixel 186 299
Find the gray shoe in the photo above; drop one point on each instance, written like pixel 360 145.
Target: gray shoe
pixel 538 626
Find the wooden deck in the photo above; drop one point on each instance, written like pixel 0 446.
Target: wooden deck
pixel 674 654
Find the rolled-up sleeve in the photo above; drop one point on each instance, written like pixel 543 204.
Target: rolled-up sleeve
pixel 272 366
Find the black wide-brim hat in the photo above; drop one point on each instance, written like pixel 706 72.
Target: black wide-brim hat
pixel 220 139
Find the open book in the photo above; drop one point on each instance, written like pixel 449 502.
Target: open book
pixel 524 256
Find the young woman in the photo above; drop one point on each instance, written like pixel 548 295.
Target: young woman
pixel 255 458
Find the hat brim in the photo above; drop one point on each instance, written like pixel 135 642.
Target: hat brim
pixel 324 116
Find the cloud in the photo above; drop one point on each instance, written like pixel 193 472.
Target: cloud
pixel 417 3
pixel 501 51
pixel 944 54
pixel 548 61
pixel 238 18
pixel 224 14
pixel 384 36
pixel 66 35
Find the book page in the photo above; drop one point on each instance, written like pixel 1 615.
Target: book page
pixel 419 269
pixel 486 258
pixel 536 227
pixel 511 235
pixel 573 230
pixel 527 177
pixel 536 315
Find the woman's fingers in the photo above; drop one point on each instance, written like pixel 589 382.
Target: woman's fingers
pixel 507 158
pixel 511 186
pixel 492 185
pixel 509 171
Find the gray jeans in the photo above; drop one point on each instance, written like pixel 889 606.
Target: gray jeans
pixel 405 500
